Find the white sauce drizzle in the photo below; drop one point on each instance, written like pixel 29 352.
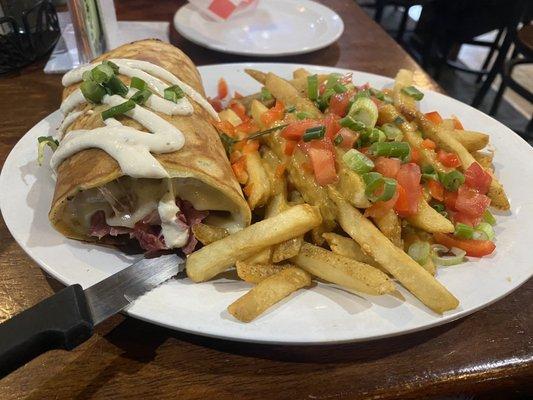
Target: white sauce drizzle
pixel 176 235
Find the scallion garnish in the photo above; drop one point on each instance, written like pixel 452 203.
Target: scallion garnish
pixel 44 141
pixel 265 94
pixel 400 150
pixel 141 96
pixel 316 132
pixel 118 110
pixel 463 231
pixel 376 135
pixel 339 88
pixel 413 92
pixel 102 73
pixel 350 123
pixel 364 110
pixel 452 180
pixel 419 251
pixel 399 120
pixel 312 87
pixel 443 256
pixel 290 109
pixel 86 76
pixel 255 135
pixel 174 93
pixel 484 231
pixel 303 115
pixel 116 86
pixel 374 181
pixel 489 218
pixel 392 132
pixel 357 161
pixel 332 80
pixel 428 172
pixel 365 93
pixel 112 65
pixel 338 140
pixel 439 207
pixel 92 91
pixel 138 83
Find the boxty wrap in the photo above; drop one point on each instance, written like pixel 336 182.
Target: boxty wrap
pixel 92 189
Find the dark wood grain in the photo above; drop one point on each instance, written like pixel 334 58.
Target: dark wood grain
pixel 489 354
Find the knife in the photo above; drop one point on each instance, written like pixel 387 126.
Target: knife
pixel 67 319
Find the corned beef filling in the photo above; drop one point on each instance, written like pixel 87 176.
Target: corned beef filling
pixel 148 230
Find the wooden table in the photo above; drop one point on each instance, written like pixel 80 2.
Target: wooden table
pixel 489 353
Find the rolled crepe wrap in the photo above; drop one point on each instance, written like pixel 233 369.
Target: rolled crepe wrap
pixel 200 170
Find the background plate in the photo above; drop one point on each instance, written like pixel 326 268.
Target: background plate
pixel 274 28
pixel 322 315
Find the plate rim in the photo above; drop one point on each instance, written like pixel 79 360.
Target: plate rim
pixel 241 335
pixel 224 49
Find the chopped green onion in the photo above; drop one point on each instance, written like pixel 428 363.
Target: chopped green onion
pixel 265 94
pixel 112 65
pixel 102 73
pixel 399 120
pixel 338 140
pixel 464 231
pixel 44 141
pixel 452 180
pixel 173 93
pixel 87 76
pixel 227 141
pixel 363 94
pixel 116 86
pixel 419 251
pixel 333 79
pixel 489 218
pixel 290 109
pixel 376 135
pixel 312 87
pixel 92 91
pixel 118 110
pixel 349 122
pixel 357 161
pixel 429 173
pixel 141 96
pixel 375 181
pixel 303 115
pixel 439 207
pixel 413 92
pixel 484 231
pixel 364 110
pixel 138 83
pixel 400 150
pixel 392 132
pixel 378 94
pixel 316 132
pixel 443 256
pixel 339 88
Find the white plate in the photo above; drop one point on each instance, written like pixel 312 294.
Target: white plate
pixel 321 315
pixel 274 28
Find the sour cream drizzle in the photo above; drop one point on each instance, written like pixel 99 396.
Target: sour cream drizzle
pixel 175 232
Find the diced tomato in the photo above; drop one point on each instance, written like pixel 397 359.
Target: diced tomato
pixel 234 156
pixel 449 160
pixel 434 117
pixel 247 127
pixel 239 109
pixel 349 137
pixel 222 88
pixel 429 144
pixel 457 124
pixel 388 167
pixel 332 125
pixel 415 155
pixel 473 248
pixel 274 114
pixel 280 170
pixel 239 169
pixel 470 201
pixel 250 146
pixel 380 208
pixel 290 145
pixel 409 189
pixel 465 218
pixel 339 103
pixel 323 164
pixel 436 190
pixel 477 178
pixel 225 127
pixel 216 103
pixel 296 130
pixel 450 199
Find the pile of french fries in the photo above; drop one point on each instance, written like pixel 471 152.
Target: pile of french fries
pixel 298 220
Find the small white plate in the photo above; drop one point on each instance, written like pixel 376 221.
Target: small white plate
pixel 274 28
pixel 323 314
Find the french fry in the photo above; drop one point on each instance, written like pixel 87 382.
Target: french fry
pixel 300 73
pixel 255 273
pixel 216 257
pixel 348 247
pixel 271 163
pixel 410 274
pixel 256 110
pixel 246 101
pixel 350 184
pixel 471 140
pixel 268 292
pixel 289 95
pixel 287 249
pixel 403 79
pixel 229 115
pixel 484 159
pixel 259 76
pixel 346 272
pixel 257 181
pixel 389 225
pixel 208 233
pixel 262 257
pixel 299 83
pixel 430 220
pixel 447 142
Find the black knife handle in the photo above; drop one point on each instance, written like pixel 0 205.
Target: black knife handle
pixel 62 321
